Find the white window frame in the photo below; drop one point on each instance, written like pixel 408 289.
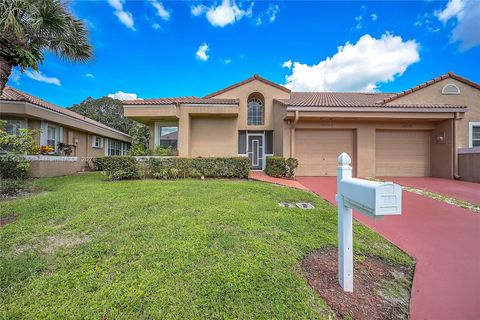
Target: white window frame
pixel 97 142
pixel 123 147
pixel 470 132
pixel 262 105
pixel 158 125
pixel 451 93
pixel 22 123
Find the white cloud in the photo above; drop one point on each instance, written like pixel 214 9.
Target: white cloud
pixel 161 11
pixel 38 76
pixel 123 16
pixel 15 76
pixel 272 12
pixel 356 67
pixel 287 64
pixel 120 95
pixel 374 17
pixel 467 15
pixel 156 26
pixel 202 52
pixel 227 61
pixel 89 75
pixel 222 15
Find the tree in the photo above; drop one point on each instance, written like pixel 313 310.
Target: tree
pixel 30 27
pixel 109 111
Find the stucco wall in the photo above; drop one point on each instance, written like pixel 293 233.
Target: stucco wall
pixel 44 169
pixel 469 97
pixel 213 137
pixel 243 92
pixel 442 152
pixel 469 165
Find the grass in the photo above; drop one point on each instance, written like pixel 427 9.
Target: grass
pixel 189 249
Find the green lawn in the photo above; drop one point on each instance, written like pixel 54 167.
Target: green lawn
pixel 189 249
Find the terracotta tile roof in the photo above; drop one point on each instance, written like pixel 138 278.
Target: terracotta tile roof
pixel 333 99
pixel 241 83
pixel 180 100
pixel 429 83
pixel 12 94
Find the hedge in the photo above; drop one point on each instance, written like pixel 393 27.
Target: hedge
pixel 13 167
pixel 176 168
pixel 280 167
pixel 119 167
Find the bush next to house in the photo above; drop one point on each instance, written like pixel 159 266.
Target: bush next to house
pixel 176 168
pixel 280 167
pixel 120 168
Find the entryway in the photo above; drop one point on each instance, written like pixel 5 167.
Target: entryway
pixel 255 150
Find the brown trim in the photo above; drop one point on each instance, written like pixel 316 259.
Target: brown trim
pixel 241 83
pixel 429 83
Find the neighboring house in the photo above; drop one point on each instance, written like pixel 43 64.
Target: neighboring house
pixel 59 125
pixel 416 132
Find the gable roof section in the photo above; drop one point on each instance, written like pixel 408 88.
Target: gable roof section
pixel 180 100
pixel 241 83
pixel 12 94
pixel 429 83
pixel 332 99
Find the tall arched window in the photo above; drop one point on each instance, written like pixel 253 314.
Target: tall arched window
pixel 255 112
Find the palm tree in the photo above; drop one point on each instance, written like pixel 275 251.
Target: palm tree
pixel 28 28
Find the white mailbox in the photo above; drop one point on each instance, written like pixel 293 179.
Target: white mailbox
pixel 374 199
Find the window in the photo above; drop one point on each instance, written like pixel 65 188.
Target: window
pixel 168 137
pixel 116 148
pixel 255 112
pixel 53 136
pixel 450 89
pixel 97 142
pixel 474 134
pixel 14 126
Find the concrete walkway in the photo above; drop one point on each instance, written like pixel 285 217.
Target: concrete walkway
pixel 262 176
pixel 462 190
pixel 444 240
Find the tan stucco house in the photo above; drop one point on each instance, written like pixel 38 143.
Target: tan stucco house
pixel 59 125
pixel 416 132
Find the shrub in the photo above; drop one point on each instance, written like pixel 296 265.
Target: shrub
pixel 98 163
pixel 12 187
pixel 276 167
pixel 176 168
pixel 292 164
pixel 165 152
pixel 120 168
pixel 138 150
pixel 13 167
pixel 21 143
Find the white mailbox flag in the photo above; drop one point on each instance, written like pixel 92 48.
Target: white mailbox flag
pixel 374 199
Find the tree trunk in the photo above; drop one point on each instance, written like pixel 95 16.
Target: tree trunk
pixel 5 71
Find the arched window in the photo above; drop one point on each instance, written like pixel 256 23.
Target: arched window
pixel 255 112
pixel 450 89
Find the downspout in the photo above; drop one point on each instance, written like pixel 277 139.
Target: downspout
pixel 292 133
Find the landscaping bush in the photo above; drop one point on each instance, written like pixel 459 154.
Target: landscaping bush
pixel 12 187
pixel 278 167
pixel 13 167
pixel 176 168
pixel 165 152
pixel 98 163
pixel 121 168
pixel 139 150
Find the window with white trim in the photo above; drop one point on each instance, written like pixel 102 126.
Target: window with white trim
pixel 13 126
pixel 116 148
pixel 168 137
pixel 255 112
pixel 53 136
pixel 97 142
pixel 474 134
pixel 450 89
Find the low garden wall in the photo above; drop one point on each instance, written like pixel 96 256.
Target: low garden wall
pixel 54 166
pixel 469 164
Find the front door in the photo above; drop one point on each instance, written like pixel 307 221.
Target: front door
pixel 255 151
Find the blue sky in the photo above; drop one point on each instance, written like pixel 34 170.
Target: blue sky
pixel 173 48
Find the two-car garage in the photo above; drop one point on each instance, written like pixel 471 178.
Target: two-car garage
pixel 394 152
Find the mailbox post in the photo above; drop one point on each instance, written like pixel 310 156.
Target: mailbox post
pixel 370 198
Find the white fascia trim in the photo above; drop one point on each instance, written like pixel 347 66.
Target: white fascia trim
pixel 66 116
pixel 470 132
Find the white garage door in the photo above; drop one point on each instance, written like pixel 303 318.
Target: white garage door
pixel 402 153
pixel 317 150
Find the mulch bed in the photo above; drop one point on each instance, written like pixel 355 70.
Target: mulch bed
pixel 369 299
pixel 7 220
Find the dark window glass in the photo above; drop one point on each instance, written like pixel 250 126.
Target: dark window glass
pixel 269 142
pixel 169 137
pixel 255 112
pixel 242 142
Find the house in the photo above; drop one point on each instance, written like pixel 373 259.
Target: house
pixel 88 138
pixel 416 132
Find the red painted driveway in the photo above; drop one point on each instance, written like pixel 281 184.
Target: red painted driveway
pixel 457 189
pixel 445 242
